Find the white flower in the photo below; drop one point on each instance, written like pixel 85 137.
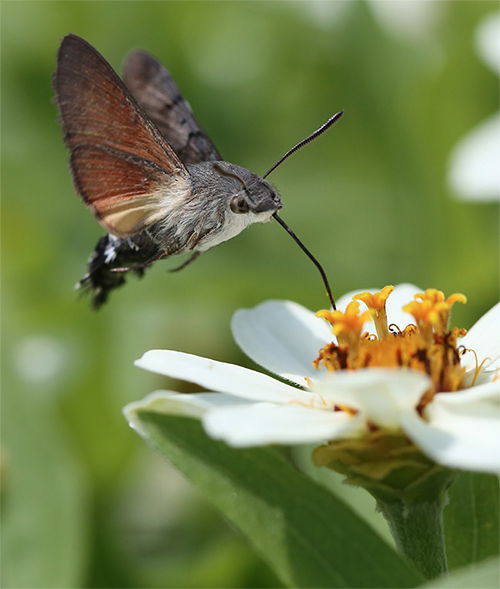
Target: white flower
pixel 410 19
pixel 474 173
pixel 488 41
pixel 473 170
pixel 458 428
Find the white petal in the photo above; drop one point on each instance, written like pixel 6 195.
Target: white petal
pixel 463 429
pixel 173 403
pixel 484 338
pixel 488 41
pixel 401 295
pixel 407 19
pixel 488 393
pixel 264 423
pixel 220 376
pixel 281 336
pixel 163 402
pixel 473 379
pixel 473 169
pixel 381 395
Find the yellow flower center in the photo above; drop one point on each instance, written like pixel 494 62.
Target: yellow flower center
pixel 428 345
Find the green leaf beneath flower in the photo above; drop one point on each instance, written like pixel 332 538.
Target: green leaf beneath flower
pixel 308 536
pixel 471 519
pixel 483 576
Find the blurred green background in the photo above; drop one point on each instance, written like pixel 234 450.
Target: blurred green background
pixel 85 503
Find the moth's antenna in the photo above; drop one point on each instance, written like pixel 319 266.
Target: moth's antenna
pixel 309 138
pixel 310 256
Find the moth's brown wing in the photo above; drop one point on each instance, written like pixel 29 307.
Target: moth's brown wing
pixel 155 90
pixel 122 166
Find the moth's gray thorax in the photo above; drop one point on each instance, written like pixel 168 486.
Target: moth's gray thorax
pixel 214 185
pixel 204 218
pixel 209 182
pixel 198 213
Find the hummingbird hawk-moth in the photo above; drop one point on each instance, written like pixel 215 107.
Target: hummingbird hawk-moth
pixel 146 169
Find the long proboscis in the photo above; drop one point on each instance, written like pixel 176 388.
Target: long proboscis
pixel 326 125
pixel 310 256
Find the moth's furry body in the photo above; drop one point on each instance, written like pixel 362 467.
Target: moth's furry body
pixel 196 221
pixel 144 166
pixel 115 252
pixel 216 221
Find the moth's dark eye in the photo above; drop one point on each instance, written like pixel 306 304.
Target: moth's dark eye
pixel 239 204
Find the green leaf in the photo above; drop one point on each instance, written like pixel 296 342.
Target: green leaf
pixel 471 519
pixel 483 576
pixel 356 497
pixel 308 536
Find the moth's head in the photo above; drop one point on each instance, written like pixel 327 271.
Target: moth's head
pixel 251 193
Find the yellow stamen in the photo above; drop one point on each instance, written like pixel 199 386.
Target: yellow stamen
pixel 346 325
pixel 432 295
pixel 456 297
pixel 429 346
pixel 375 300
pixel 376 305
pixel 479 366
pixel 432 311
pixel 425 314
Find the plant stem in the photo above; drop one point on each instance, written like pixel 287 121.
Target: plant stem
pixel 417 528
pixel 410 489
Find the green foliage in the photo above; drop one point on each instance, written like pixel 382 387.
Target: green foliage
pixel 473 507
pixel 485 576
pixel 369 198
pixel 308 536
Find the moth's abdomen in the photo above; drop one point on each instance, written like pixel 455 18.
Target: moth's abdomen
pixel 113 253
